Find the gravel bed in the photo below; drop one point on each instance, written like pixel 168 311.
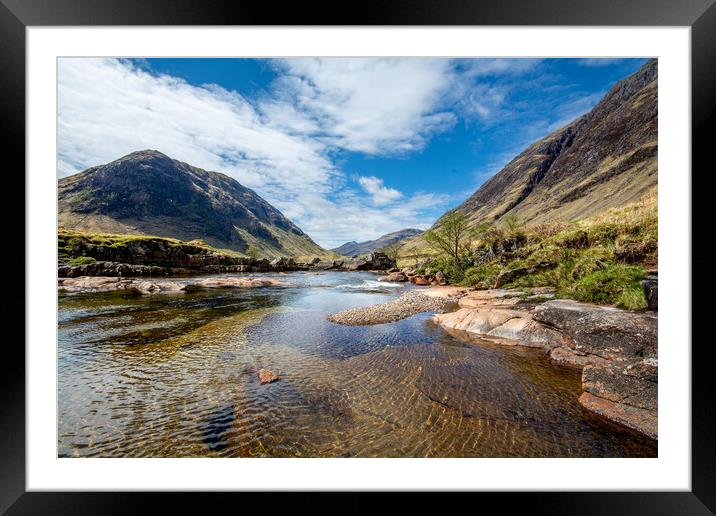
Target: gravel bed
pixel 405 306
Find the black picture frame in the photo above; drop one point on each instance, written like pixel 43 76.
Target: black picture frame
pixel 700 15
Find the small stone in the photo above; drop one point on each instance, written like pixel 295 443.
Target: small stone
pixel 267 376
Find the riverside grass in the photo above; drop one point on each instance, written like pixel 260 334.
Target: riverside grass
pixel 601 259
pixel 72 245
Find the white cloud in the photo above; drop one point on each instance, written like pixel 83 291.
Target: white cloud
pixel 600 61
pixel 473 68
pixel 380 193
pixel 375 106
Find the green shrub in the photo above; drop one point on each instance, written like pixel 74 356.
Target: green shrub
pixel 591 260
pixel 614 284
pixel 455 272
pixel 482 276
pixel 575 239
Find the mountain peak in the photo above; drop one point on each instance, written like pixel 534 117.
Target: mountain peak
pixel 146 153
pixel 147 192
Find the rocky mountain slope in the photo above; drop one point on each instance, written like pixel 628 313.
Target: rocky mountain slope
pixel 149 193
pixel 606 158
pixel 354 248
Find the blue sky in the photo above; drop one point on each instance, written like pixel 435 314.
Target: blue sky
pixel 349 149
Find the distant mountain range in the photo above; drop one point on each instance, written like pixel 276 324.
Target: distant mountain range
pixel 147 192
pixel 355 248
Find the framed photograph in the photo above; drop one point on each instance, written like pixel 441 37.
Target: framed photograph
pixel 418 249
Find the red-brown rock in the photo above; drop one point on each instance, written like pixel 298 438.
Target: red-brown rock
pixel 267 376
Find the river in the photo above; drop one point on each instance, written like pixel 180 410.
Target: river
pixel 174 375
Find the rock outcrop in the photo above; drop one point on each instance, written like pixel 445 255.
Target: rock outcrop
pixel 651 291
pixel 603 331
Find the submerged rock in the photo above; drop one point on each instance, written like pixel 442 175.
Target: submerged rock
pixel 267 376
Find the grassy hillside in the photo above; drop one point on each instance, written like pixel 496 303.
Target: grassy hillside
pixel 600 259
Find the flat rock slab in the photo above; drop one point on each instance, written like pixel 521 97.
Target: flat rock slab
pixel 604 331
pixel 108 284
pixel 475 321
pixel 515 325
pixel 94 284
pixel 445 291
pixel 234 282
pixel 567 357
pixel 528 332
pixel 504 297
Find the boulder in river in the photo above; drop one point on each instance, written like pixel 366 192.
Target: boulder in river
pixel 394 277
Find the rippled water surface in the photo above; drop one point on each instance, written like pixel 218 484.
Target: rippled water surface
pixel 174 375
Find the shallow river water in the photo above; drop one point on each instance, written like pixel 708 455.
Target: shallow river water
pixel 174 375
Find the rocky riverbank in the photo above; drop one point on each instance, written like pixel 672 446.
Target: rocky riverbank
pixel 211 264
pixel 89 284
pixel 615 349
